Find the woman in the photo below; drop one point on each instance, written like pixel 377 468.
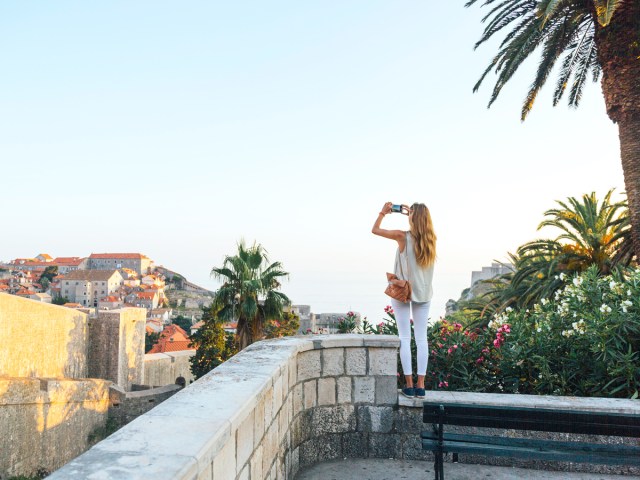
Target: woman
pixel 414 262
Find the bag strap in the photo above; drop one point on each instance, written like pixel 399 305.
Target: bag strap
pixel 406 256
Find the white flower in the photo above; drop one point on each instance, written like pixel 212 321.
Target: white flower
pixel 577 281
pixel 604 308
pixel 562 276
pixel 627 303
pixel 628 293
pixel 544 301
pixel 612 284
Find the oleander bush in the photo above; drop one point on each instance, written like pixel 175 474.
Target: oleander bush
pixel 584 341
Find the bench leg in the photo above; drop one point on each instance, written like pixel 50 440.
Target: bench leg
pixel 438 466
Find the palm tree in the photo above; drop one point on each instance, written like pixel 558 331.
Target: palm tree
pixel 592 233
pixel 249 293
pixel 594 38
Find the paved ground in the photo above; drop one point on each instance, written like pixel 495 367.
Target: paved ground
pixel 380 469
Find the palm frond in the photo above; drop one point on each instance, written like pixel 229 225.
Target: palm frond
pixel 605 10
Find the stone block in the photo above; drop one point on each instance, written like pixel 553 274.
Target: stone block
pixel 293 371
pixel 310 396
pixel 364 390
pixel 355 445
pixel 244 473
pixel 256 463
pixel 269 450
pixel 326 391
pixel 375 419
pixel 258 425
pixel 224 463
pixel 268 408
pixel 297 399
pixel 284 373
pixel 412 448
pixel 387 390
pixel 332 362
pixel 295 462
pixel 409 420
pixel 344 389
pixel 356 361
pixel 336 419
pixel 283 423
pixel 383 361
pixel 329 446
pixel 277 395
pixel 384 445
pixel 384 341
pixel 308 454
pixel 339 340
pixel 244 440
pixel 308 365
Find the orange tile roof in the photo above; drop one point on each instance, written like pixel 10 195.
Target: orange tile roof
pixel 118 255
pixel 26 292
pixel 110 298
pixel 72 305
pixel 90 275
pixel 68 261
pixel 171 347
pixel 146 295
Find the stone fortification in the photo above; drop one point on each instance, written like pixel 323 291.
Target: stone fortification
pixel 42 340
pixel 47 422
pixel 126 406
pixel 255 415
pixel 116 350
pixel 168 368
pixel 281 405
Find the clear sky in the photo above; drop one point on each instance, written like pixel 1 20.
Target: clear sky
pixel 176 128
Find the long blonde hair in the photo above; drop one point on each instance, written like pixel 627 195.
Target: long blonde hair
pixel 424 238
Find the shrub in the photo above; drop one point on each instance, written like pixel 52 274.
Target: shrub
pixel 585 341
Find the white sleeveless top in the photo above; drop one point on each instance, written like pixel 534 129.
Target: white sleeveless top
pixel 407 268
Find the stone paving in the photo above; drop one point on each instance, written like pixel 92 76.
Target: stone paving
pixel 382 469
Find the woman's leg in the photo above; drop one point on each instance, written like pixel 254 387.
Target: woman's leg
pixel 420 316
pixel 402 313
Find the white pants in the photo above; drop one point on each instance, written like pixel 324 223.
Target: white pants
pixel 403 312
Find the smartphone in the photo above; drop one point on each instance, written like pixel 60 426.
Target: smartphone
pixel 396 208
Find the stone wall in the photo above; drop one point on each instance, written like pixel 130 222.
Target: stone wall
pixel 126 406
pixel 45 340
pixel 281 405
pixel 166 368
pixel 116 350
pixel 248 418
pixel 44 423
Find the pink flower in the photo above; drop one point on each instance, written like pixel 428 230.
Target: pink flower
pixel 455 346
pixel 496 343
pixel 450 351
pixel 480 360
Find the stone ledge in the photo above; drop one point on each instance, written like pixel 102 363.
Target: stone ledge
pixel 612 405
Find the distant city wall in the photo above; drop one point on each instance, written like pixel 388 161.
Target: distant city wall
pixel 44 423
pixel 41 340
pixel 166 368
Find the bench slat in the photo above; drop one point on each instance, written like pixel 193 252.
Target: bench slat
pixel 530 453
pixel 566 421
pixel 536 443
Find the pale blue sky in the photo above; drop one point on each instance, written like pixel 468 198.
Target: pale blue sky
pixel 175 129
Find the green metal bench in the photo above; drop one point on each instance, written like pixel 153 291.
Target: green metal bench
pixel 536 419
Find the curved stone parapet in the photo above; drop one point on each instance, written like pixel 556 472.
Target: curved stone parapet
pixel 275 407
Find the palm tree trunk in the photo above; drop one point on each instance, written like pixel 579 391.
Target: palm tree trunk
pixel 629 130
pixel 619 55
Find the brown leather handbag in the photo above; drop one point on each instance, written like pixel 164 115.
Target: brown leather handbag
pixel 398 289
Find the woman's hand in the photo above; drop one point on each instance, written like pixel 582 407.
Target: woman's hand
pixel 386 208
